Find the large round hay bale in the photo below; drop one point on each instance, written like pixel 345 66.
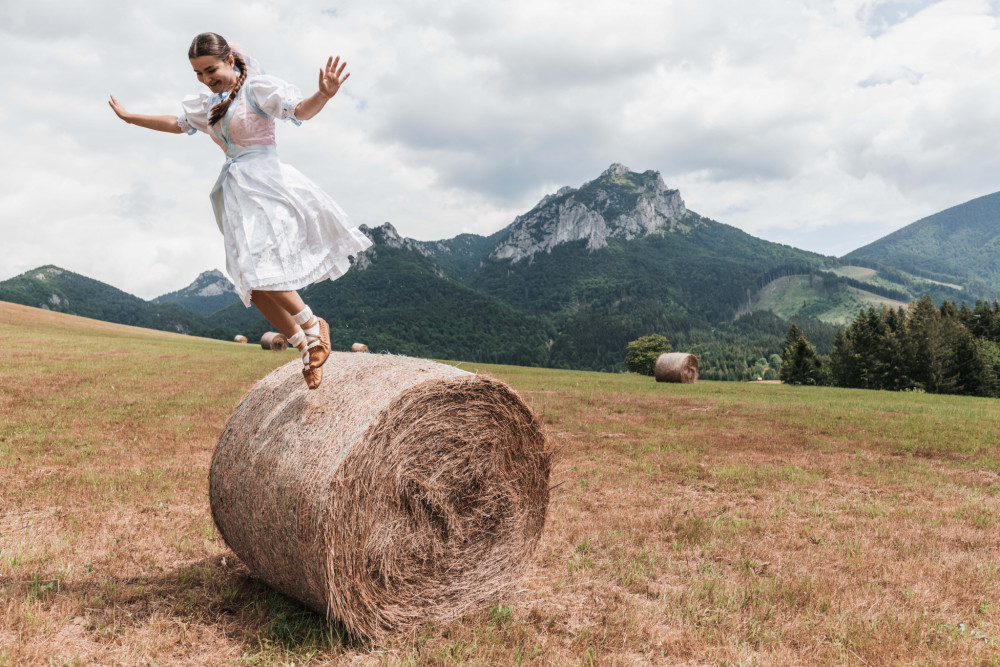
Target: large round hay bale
pixel 240 338
pixel 274 341
pixel 676 367
pixel 400 489
pixel 359 347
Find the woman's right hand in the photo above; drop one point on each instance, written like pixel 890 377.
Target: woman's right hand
pixel 159 123
pixel 119 109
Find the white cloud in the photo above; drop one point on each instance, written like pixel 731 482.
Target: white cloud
pixel 815 123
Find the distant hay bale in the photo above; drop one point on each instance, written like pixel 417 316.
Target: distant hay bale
pixel 399 490
pixel 274 341
pixel 359 347
pixel 676 367
pixel 240 338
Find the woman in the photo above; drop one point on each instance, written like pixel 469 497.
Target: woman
pixel 281 231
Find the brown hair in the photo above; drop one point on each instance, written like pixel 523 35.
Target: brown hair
pixel 211 44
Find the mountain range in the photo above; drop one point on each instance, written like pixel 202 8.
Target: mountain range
pixel 570 282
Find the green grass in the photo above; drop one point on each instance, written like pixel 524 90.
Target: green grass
pixel 856 272
pixel 793 296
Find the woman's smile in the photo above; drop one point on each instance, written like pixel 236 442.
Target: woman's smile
pixel 216 73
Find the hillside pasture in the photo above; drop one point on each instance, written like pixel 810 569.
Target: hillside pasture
pixel 856 272
pixel 801 295
pixel 705 524
pixel 872 276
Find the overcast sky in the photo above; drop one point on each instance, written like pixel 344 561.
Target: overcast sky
pixel 823 124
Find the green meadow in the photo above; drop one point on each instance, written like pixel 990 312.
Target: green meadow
pixel 800 295
pixel 709 524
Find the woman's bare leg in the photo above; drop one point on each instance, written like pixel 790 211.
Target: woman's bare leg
pixel 308 333
pixel 280 318
pixel 290 302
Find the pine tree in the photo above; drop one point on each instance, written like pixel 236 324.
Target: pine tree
pixel 931 347
pixel 799 362
pixel 869 339
pixel 843 361
pixel 977 374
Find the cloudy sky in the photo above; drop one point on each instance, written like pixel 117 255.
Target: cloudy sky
pixel 823 124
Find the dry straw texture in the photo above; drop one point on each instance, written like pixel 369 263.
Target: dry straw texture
pixel 401 489
pixel 359 347
pixel 274 341
pixel 240 338
pixel 676 367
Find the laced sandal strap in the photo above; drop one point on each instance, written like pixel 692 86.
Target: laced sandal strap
pixel 310 345
pixel 313 339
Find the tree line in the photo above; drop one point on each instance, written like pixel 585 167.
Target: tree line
pixel 947 350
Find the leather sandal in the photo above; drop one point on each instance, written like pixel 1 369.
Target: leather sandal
pixel 313 376
pixel 317 347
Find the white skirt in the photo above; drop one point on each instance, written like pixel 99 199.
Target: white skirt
pixel 282 232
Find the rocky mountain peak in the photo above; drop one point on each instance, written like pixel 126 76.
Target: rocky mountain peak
pixel 209 292
pixel 617 169
pixel 619 203
pixel 209 283
pixel 384 234
pixel 45 272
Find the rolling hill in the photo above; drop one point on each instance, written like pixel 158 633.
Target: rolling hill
pixel 59 290
pixel 960 245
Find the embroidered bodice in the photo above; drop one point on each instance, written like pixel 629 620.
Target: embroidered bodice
pixel 249 121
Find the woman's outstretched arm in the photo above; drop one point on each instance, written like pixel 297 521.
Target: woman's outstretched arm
pixel 160 123
pixel 331 78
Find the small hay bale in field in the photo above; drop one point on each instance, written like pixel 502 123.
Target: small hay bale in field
pixel 359 347
pixel 399 490
pixel 240 338
pixel 274 341
pixel 676 367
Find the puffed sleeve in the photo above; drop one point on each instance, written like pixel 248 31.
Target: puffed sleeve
pixel 195 113
pixel 275 97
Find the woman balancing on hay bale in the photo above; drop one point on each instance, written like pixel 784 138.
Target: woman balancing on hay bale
pixel 281 231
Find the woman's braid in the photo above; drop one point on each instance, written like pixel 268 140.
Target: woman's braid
pixel 213 44
pixel 220 109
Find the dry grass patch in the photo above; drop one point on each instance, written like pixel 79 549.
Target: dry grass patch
pixel 707 524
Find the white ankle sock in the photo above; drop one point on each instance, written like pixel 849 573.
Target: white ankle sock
pixel 303 317
pixel 297 339
pixel 312 332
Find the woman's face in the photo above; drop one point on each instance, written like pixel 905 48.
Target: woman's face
pixel 214 72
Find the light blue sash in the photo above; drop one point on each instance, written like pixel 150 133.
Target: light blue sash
pixel 235 154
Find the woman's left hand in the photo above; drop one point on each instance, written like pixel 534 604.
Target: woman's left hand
pixel 332 77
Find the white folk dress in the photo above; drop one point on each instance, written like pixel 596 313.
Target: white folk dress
pixel 281 231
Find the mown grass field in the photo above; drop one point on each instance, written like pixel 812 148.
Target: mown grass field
pixel 708 524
